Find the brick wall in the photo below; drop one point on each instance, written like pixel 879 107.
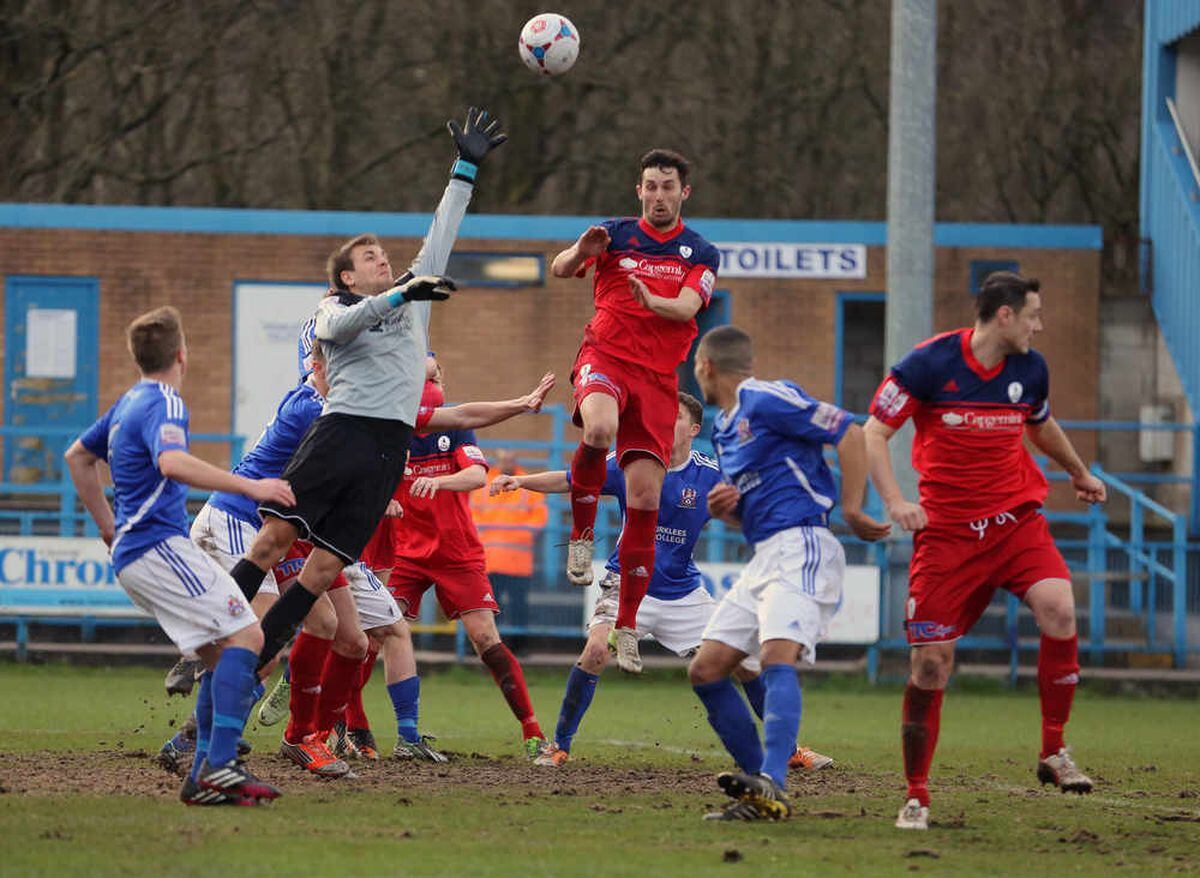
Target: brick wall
pixel 496 343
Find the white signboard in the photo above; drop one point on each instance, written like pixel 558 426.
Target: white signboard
pixel 58 572
pixel 267 321
pixel 856 621
pixel 50 343
pixel 810 261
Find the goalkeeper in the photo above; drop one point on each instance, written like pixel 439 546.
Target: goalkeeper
pixel 373 329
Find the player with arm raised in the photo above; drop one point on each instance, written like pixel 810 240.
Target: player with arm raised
pixel 652 276
pixel 974 396
pixel 144 440
pixel 374 334
pixel 769 438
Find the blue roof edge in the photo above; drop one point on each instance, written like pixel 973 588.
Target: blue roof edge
pixel 224 220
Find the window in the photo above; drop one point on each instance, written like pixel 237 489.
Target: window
pixel 497 269
pixel 860 338
pixel 981 268
pixel 716 314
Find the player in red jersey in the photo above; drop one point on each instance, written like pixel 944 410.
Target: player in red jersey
pixel 974 395
pixel 653 275
pixel 435 543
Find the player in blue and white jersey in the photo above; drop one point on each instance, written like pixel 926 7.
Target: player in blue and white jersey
pixel 144 440
pixel 677 608
pixel 769 439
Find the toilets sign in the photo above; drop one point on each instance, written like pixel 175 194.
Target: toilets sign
pixel 810 261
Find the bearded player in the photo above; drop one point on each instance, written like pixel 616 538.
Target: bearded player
pixel 653 275
pixel 974 396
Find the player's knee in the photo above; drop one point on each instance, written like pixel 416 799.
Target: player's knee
pixel 250 637
pixel 599 435
pixel 594 658
pixel 931 668
pixel 350 644
pixel 702 670
pixel 1057 619
pixel 398 632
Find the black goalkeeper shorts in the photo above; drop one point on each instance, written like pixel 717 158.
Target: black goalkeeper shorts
pixel 343 474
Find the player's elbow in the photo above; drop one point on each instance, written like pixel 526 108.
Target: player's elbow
pixel 876 431
pixel 77 455
pixel 171 464
pixel 560 267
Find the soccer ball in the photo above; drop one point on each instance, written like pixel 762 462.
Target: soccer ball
pixel 549 44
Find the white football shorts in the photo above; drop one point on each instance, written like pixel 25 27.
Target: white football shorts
pixel 789 590
pixel 226 538
pixel 194 600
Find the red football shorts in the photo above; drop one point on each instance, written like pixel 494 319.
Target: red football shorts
pixel 647 401
pixel 380 551
pixel 956 569
pixel 289 568
pixel 460 588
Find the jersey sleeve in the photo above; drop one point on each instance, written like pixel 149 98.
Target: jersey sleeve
pixel 1039 411
pixel 703 275
pixel 466 453
pixel 95 437
pixel 907 385
pixel 166 427
pixel 424 416
pixel 786 409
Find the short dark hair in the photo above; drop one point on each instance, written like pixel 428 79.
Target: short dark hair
pixel 666 158
pixel 342 259
pixel 729 349
pixel 695 408
pixel 1002 288
pixel 155 338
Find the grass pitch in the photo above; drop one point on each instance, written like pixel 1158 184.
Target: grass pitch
pixel 80 796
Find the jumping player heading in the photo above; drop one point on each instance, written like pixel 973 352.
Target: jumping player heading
pixel 653 275
pixel 974 395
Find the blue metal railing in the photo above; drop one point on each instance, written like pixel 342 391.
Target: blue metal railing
pixel 1171 222
pixel 1134 573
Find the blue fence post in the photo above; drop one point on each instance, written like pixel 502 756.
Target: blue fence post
pixel 1179 591
pixel 460 642
pixel 1097 564
pixel 66 505
pixel 1194 517
pixel 1137 548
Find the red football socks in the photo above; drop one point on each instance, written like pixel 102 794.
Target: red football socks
pixel 305 663
pixel 337 679
pixel 921 721
pixel 1057 676
pixel 636 557
pixel 507 673
pixel 587 478
pixel 356 716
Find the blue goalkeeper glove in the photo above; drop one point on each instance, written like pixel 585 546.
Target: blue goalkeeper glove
pixel 474 140
pixel 422 288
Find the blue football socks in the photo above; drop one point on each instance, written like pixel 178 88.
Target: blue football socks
pixel 781 720
pixel 756 694
pixel 731 720
pixel 406 702
pixel 233 683
pixel 204 712
pixel 581 688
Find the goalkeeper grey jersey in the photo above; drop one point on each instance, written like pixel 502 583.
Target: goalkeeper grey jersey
pixel 375 354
